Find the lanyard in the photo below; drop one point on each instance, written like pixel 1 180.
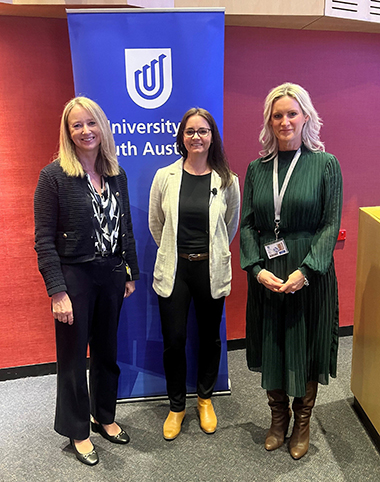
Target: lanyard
pixel 278 197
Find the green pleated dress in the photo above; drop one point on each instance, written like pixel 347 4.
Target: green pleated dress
pixel 293 338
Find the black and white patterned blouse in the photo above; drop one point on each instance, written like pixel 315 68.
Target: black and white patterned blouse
pixel 107 218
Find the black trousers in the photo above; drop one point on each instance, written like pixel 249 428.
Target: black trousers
pixel 192 282
pixel 96 290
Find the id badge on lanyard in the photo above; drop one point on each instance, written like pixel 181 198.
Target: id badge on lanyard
pixel 278 246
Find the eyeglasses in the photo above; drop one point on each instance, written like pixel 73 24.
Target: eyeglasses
pixel 202 132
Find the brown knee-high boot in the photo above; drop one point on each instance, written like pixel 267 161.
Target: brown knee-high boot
pixel 278 401
pixel 302 407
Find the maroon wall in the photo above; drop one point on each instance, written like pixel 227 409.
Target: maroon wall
pixel 36 81
pixel 341 70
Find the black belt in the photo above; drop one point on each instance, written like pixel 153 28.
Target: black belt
pixel 193 256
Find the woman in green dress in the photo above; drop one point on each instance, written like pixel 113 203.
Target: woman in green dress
pixel 290 223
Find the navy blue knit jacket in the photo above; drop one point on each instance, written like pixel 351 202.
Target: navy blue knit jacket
pixel 64 229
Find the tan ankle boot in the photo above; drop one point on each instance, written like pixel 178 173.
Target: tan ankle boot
pixel 278 401
pixel 302 407
pixel 208 420
pixel 173 424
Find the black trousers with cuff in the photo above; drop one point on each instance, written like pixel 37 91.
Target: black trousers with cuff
pixel 96 290
pixel 192 282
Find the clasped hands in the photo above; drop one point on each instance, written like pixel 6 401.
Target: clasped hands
pixel 295 281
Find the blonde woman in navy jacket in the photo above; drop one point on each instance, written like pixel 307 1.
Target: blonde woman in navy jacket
pixel 87 257
pixel 193 217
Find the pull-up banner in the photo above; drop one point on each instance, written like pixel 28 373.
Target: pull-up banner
pixel 146 68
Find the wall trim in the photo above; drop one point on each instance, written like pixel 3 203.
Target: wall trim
pixel 28 371
pixel 346 330
pixel 41 369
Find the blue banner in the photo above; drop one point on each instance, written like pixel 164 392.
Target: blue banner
pixel 146 69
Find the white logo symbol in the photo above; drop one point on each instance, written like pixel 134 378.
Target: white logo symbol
pixel 149 76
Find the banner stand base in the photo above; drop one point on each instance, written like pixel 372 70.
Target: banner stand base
pixel 165 397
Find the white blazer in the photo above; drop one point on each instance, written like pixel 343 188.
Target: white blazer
pixel 224 210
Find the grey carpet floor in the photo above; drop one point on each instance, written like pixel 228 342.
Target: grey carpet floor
pixel 340 449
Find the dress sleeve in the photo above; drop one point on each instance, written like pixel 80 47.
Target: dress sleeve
pixel 322 247
pixel 233 208
pixel 46 208
pixel 156 214
pixel 250 259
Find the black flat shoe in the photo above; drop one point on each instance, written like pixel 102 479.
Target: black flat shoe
pixel 91 458
pixel 121 438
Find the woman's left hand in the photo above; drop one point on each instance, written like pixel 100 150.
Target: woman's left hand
pixel 295 282
pixel 129 288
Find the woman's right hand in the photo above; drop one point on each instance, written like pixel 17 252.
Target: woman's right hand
pixel 62 308
pixel 269 280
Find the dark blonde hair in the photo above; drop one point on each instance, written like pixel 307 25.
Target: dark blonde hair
pixel 310 131
pixel 216 158
pixel 106 162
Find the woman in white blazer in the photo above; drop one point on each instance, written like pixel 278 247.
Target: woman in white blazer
pixel 193 217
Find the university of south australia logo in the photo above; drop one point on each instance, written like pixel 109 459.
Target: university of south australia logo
pixel 149 76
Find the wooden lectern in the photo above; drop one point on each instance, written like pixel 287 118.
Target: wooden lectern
pixel 365 378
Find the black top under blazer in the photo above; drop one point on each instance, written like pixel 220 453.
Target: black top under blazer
pixel 64 223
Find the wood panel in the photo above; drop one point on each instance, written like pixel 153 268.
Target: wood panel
pixel 296 14
pixel 258 7
pixel 365 381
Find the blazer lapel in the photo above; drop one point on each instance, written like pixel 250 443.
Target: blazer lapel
pixel 174 185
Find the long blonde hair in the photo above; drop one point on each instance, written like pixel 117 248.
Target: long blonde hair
pixel 310 131
pixel 106 162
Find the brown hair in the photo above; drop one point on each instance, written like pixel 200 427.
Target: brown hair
pixel 216 157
